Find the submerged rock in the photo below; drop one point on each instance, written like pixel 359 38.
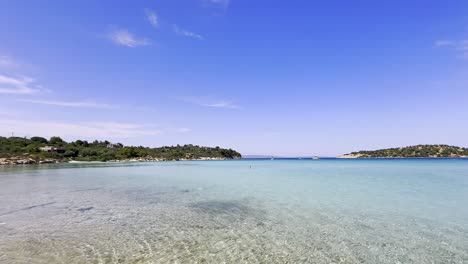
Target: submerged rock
pixel 85 209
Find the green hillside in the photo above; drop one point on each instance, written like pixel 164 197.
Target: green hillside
pixel 82 150
pixel 419 151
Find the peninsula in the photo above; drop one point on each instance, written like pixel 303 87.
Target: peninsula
pixel 36 150
pixel 418 151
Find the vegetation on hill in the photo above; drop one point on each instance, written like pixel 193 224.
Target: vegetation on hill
pixel 419 151
pixel 82 150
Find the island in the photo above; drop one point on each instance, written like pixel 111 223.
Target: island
pixel 418 151
pixel 38 150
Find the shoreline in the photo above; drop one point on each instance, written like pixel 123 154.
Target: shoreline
pixel 360 157
pixel 31 161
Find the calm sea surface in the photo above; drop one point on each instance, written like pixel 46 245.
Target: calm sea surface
pixel 247 211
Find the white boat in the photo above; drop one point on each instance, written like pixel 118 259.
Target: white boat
pixel 315 158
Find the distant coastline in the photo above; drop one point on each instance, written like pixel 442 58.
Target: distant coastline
pixel 418 151
pixel 38 150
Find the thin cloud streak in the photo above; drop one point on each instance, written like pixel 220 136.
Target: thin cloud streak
pixel 209 102
pixel 18 85
pixel 152 18
pixel 7 62
pixel 124 38
pixel 83 104
pixel 463 47
pixel 218 3
pixel 94 130
pixel 182 32
pixel 441 43
pixel 460 46
pixel 222 104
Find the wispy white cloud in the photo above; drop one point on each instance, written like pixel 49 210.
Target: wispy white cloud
pixel 93 130
pixel 18 85
pixel 80 104
pixel 152 18
pixel 222 104
pixel 7 62
pixel 209 102
pixel 440 43
pixel 186 33
pixel 464 44
pixel 125 38
pixel 460 46
pixel 218 3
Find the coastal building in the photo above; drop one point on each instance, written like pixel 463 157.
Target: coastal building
pixel 49 149
pixel 113 146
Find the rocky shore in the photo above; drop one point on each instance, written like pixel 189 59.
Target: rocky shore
pixel 149 159
pixel 30 160
pixel 26 160
pixel 349 156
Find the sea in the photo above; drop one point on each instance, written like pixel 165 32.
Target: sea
pixel 236 211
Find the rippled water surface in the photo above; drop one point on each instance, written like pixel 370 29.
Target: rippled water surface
pixel 248 211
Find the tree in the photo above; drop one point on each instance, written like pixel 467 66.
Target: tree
pixel 82 150
pixel 128 152
pixel 40 140
pixel 70 153
pixel 32 149
pixel 56 141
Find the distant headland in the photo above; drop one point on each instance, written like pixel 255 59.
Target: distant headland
pixel 418 151
pixel 38 150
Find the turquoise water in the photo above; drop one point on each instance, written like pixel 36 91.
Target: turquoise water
pixel 247 211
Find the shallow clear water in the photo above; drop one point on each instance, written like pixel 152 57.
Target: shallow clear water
pixel 248 211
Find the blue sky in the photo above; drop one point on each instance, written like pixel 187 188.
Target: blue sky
pixel 262 77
